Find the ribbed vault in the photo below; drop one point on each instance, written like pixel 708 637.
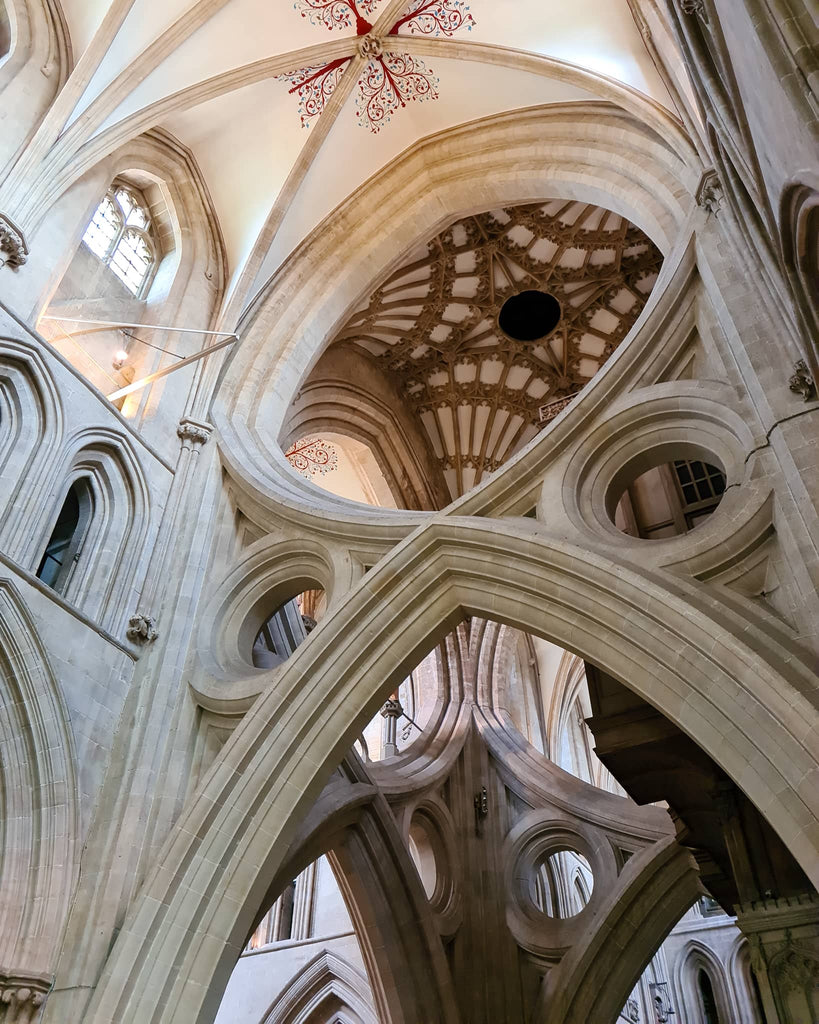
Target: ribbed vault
pixel 434 326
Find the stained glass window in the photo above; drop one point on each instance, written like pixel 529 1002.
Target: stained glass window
pixel 120 235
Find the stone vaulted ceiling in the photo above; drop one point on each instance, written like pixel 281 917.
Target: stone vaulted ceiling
pixel 289 107
pixel 433 324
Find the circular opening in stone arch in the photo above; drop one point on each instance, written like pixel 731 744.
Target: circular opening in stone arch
pixel 563 883
pixel 529 315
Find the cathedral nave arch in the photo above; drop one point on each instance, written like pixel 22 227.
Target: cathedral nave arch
pixel 634 624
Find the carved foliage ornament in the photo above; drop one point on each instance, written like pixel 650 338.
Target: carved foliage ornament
pixel 312 455
pixel 21 998
pixel 193 432
pixel 801 382
pixel 13 249
pixel 390 79
pixel 709 192
pixel 141 629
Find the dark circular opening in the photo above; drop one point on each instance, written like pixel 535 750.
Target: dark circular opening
pixel 529 315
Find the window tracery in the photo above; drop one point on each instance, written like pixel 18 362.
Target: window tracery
pixel 120 235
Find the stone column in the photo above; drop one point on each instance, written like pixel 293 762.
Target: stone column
pixel 132 811
pixel 391 712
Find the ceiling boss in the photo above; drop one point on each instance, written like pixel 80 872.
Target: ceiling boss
pixel 389 79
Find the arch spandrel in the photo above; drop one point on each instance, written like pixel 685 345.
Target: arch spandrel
pixel 231 839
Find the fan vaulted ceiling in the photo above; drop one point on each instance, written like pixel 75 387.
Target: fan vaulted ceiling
pixel 432 326
pixel 288 107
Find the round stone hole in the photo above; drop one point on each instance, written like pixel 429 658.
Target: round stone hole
pixel 670 499
pixel 529 315
pixel 562 884
pixel 422 850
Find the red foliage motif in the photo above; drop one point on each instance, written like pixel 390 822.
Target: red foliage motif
pixel 315 86
pixel 435 18
pixel 390 80
pixel 338 13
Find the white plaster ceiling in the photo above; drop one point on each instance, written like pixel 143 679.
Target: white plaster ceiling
pixel 206 71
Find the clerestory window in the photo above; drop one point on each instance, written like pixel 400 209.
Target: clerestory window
pixel 121 236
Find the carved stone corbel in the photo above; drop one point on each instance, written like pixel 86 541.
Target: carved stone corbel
pixel 192 432
pixel 801 382
pixel 709 193
pixel 141 629
pixel 13 248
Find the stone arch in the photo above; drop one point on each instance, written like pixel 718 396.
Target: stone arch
pixel 33 69
pixel 114 546
pixel 186 288
pixel 745 708
pixel 740 971
pixel 353 826
pixel 192 235
pixel 571 151
pixel 329 984
pixel 799 239
pixel 27 396
pixel 41 826
pixel 593 980
pixel 696 956
pixel 346 395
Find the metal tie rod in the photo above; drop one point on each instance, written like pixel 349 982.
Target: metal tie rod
pixel 228 336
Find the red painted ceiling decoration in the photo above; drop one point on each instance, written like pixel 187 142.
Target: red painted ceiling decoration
pixel 312 455
pixel 390 80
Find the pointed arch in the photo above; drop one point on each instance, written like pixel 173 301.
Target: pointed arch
pixel 696 956
pixel 327 983
pixel 39 863
pixel 30 433
pixel 33 69
pixel 688 660
pixel 114 543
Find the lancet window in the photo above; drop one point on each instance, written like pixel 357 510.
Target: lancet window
pixel 65 543
pixel 121 236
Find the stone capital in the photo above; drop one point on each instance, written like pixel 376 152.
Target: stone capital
pixel 193 432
